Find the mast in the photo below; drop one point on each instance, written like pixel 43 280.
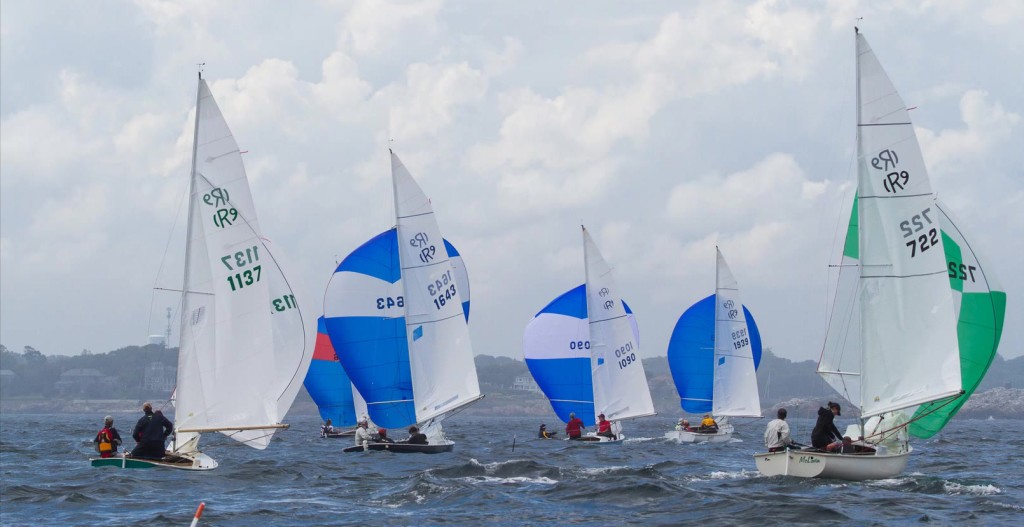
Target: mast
pixel 188 231
pixel 714 339
pixel 590 336
pixel 860 210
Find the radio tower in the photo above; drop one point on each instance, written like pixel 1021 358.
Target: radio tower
pixel 167 334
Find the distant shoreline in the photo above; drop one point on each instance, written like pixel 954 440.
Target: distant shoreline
pixel 1000 403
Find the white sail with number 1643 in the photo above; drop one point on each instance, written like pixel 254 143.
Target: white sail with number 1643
pixel 440 353
pixel 243 349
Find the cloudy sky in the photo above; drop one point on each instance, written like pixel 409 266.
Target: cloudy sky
pixel 664 127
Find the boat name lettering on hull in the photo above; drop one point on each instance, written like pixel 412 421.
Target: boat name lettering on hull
pixel 808 459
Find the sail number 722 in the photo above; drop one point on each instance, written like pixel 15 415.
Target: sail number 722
pixel 920 243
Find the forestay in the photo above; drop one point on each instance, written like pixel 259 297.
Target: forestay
pixel 908 336
pixel 243 348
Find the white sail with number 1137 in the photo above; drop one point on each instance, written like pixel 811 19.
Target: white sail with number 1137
pixel 243 350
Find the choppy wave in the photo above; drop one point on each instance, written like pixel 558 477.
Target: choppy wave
pixel 302 480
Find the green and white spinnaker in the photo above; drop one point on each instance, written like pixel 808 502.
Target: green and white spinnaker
pixel 979 303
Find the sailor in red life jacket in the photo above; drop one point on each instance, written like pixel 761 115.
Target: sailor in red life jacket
pixel 107 440
pixel 574 428
pixel 604 428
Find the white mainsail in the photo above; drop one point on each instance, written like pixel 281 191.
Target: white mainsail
pixel 620 383
pixel 440 353
pixel 735 387
pixel 243 345
pixel 908 332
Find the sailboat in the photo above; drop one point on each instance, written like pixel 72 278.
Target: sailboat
pixel 243 346
pixel 328 385
pixel 396 311
pixel 916 319
pixel 583 350
pixel 713 355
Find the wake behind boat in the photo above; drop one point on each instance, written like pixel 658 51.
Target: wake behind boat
pixel 396 311
pixel 242 343
pixel 582 349
pixel 913 328
pixel 713 356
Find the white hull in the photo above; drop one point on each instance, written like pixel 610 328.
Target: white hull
pixel 724 434
pixel 853 467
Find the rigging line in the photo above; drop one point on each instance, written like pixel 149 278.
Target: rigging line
pixel 436 262
pixel 919 275
pixel 454 411
pixel 417 215
pixel 410 324
pixel 883 124
pixel 896 197
pixel 183 291
pixel 592 322
pixel 163 260
pixel 890 431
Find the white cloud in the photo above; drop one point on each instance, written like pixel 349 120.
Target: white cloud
pixel 987 125
pixel 426 104
pixel 774 187
pixel 372 26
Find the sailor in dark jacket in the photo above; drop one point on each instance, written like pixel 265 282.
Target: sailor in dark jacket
pixel 150 433
pixel 825 433
pixel 416 437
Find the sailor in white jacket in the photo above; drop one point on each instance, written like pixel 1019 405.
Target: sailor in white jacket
pixel 363 436
pixel 776 436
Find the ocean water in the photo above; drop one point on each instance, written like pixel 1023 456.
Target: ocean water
pixel 972 474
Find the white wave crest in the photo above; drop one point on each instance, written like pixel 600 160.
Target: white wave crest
pixel 597 471
pixel 721 474
pixel 514 480
pixel 978 490
pixel 890 482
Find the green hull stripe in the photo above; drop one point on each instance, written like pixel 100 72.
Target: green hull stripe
pixel 116 462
